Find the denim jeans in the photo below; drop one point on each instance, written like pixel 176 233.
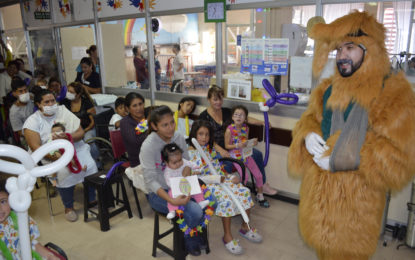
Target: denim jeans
pixel 94 148
pixel 192 211
pixel 193 215
pixel 67 195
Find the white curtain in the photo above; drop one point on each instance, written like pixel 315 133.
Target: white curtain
pixel 333 11
pixel 402 11
pixel 303 13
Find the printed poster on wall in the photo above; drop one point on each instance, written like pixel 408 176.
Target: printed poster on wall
pixel 265 56
pixel 62 11
pixel 37 12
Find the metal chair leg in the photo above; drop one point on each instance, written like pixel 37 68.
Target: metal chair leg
pixel 48 197
pixel 140 214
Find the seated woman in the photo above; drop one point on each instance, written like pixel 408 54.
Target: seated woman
pixel 37 130
pixel 132 138
pixel 80 104
pixel 220 117
pixel 161 126
pixel 89 79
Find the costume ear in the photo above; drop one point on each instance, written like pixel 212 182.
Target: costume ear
pixel 321 54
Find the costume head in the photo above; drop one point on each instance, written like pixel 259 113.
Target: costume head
pixel 358 28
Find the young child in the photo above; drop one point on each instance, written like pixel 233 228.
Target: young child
pixel 181 117
pixel 236 138
pixel 74 165
pixel 176 166
pixel 9 234
pixel 120 112
pixel 226 208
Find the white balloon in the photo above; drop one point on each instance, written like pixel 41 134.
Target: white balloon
pixel 19 188
pixel 17 153
pixel 226 188
pixel 56 165
pixel 11 184
pixel 23 181
pixel 20 200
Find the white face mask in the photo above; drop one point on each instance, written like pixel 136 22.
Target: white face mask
pixel 50 110
pixel 70 96
pixel 24 98
pixel 43 87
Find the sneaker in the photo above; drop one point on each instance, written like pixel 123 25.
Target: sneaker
pixel 233 247
pixel 203 203
pixel 268 190
pixel 71 216
pixel 252 235
pixel 171 214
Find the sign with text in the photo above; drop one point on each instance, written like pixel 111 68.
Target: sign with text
pixel 265 56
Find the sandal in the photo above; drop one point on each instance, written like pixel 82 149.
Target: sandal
pixel 252 235
pixel 263 203
pixel 233 247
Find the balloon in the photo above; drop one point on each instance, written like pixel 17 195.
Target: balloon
pixel 19 188
pixel 56 165
pixel 284 98
pixel 224 186
pixel 17 153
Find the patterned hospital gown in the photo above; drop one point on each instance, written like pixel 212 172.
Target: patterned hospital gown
pixel 226 207
pixel 10 236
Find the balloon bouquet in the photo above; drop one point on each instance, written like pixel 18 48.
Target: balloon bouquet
pixel 19 188
pixel 284 98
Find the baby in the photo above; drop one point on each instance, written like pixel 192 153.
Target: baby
pixel 176 166
pixel 57 130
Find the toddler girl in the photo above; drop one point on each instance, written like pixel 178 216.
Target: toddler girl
pixel 176 166
pixel 236 138
pixel 226 208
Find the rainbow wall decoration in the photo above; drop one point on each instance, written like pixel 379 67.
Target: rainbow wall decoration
pixel 128 28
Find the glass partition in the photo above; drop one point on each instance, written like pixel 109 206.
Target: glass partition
pixel 196 41
pixel 43 52
pixel 195 38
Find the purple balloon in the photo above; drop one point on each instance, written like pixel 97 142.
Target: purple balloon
pixel 285 98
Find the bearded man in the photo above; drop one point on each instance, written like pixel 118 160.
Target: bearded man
pixel 355 141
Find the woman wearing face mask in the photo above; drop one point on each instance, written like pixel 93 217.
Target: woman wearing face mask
pixel 37 130
pixel 79 102
pixel 89 79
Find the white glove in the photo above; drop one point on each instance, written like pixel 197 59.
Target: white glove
pixel 315 144
pixel 323 163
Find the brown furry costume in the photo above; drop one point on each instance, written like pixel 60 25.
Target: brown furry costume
pixel 340 213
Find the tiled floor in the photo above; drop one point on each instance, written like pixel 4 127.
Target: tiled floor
pixel 132 238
